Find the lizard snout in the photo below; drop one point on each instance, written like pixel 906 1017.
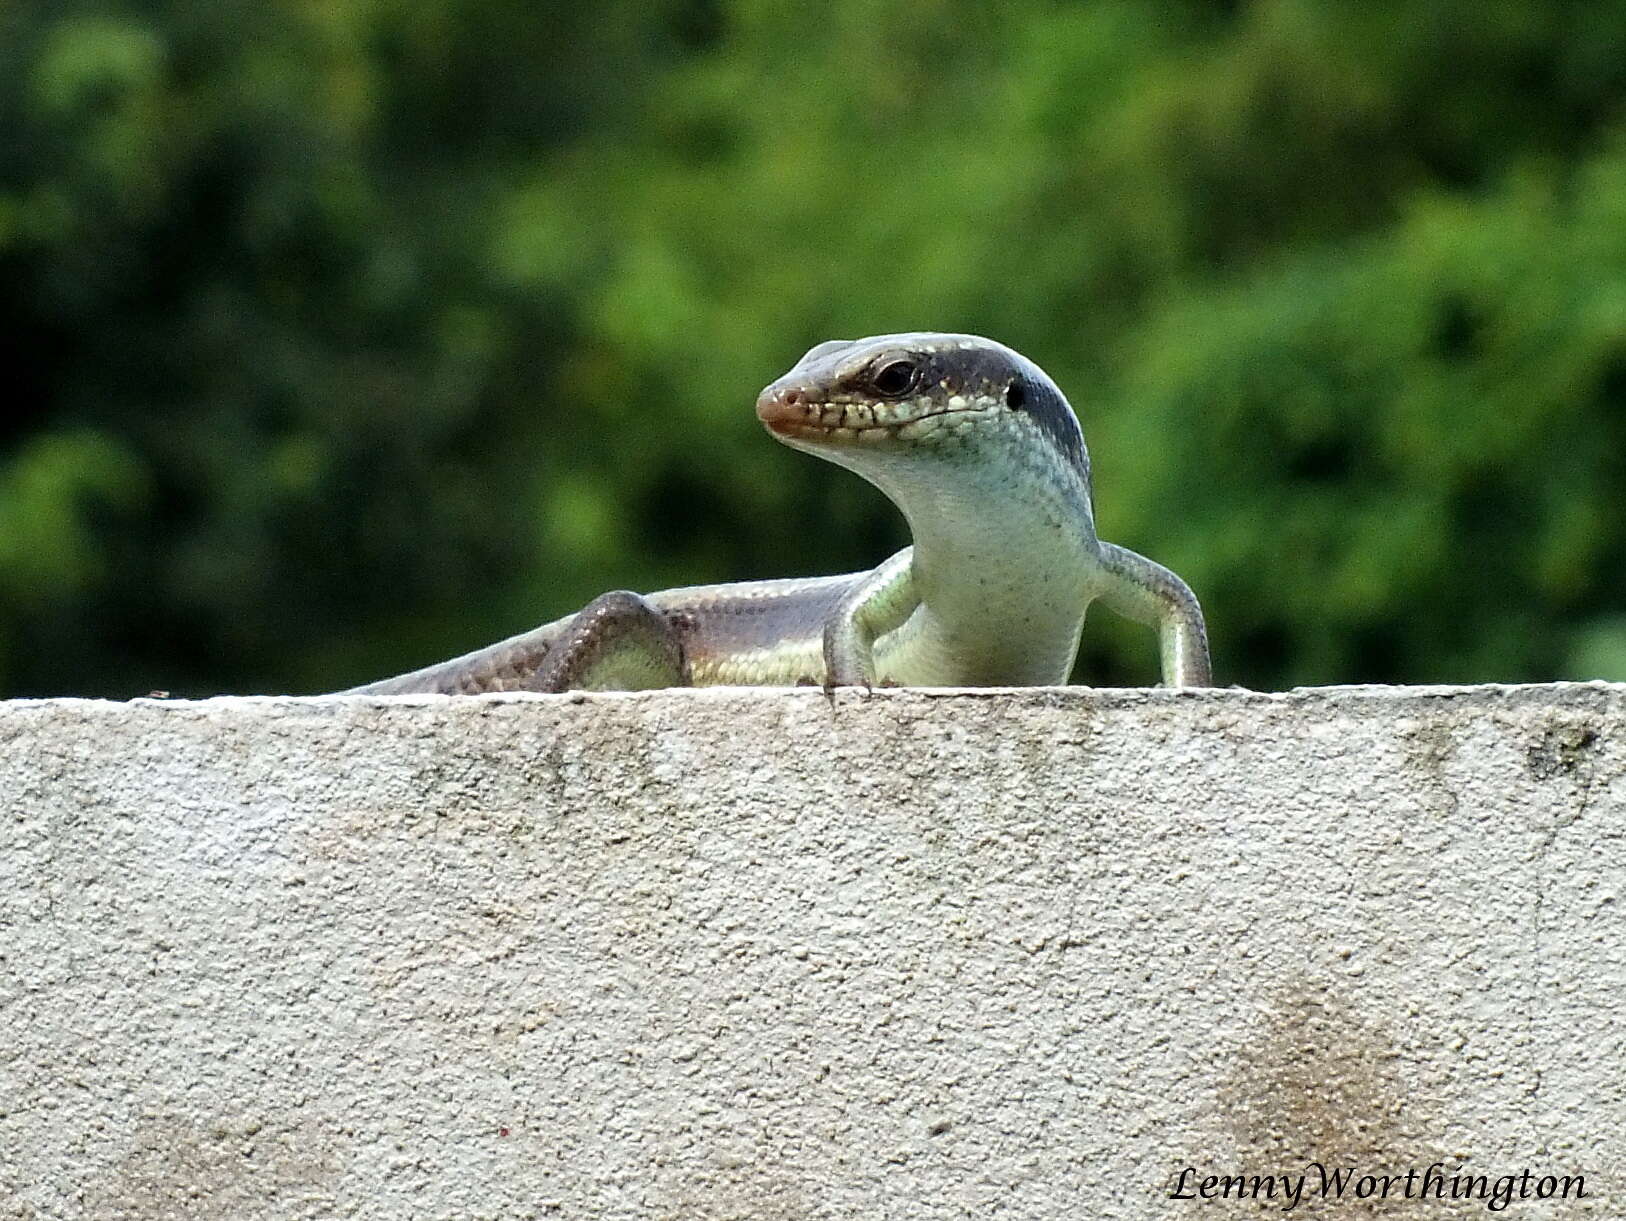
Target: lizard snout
pixel 783 407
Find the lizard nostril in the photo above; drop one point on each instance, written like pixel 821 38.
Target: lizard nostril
pixel 780 407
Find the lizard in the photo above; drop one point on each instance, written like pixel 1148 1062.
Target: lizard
pixel 983 455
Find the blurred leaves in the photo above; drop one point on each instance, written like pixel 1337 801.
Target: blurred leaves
pixel 54 492
pixel 350 335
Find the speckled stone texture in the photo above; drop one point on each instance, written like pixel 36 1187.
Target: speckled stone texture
pixel 756 954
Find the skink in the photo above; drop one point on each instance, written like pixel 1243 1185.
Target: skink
pixel 984 457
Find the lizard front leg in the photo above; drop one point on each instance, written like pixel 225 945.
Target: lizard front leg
pixel 876 605
pixel 1149 593
pixel 617 642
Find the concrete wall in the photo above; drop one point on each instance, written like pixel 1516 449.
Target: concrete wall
pixel 755 954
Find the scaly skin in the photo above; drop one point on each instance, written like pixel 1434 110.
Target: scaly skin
pixel 984 457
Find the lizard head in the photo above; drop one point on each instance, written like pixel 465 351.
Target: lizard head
pixel 873 404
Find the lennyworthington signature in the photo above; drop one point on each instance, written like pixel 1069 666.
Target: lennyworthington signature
pixel 1497 1192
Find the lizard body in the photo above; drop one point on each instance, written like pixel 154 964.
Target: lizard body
pixel 983 455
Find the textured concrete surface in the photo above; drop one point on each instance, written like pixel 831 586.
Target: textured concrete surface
pixel 751 954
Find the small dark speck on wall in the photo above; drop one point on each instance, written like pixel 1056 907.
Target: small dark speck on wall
pixel 1560 750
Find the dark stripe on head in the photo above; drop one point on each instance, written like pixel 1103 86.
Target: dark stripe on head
pixel 1042 400
pixel 992 368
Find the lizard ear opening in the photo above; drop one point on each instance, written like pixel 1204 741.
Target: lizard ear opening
pixel 1015 396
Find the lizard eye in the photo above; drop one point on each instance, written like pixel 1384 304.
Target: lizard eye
pixel 895 378
pixel 1015 396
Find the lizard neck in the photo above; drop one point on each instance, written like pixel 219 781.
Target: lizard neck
pixel 1004 547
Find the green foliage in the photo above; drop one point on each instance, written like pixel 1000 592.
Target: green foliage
pixel 351 335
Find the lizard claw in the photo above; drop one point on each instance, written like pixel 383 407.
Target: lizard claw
pixel 863 686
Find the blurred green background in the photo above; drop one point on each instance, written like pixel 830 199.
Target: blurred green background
pixel 345 335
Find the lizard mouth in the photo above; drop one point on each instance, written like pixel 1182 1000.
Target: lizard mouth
pixel 793 414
